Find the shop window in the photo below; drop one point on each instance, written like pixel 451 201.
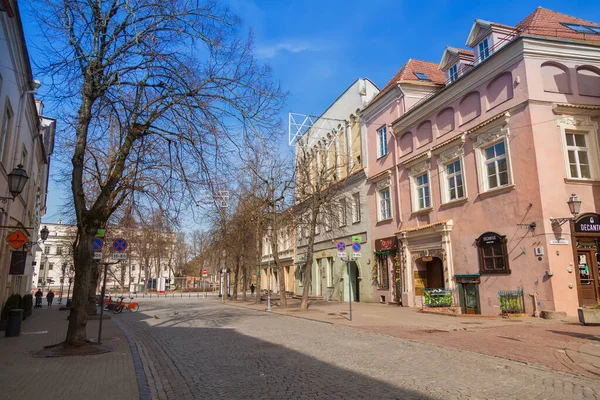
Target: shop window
pixel 382 272
pixel 493 255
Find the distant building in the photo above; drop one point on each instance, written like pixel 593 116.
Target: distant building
pixel 151 255
pixel 27 140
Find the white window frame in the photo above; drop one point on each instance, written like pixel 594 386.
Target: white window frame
pixel 342 212
pixel 384 211
pixel 6 133
pixel 420 191
pixel 381 185
pixel 453 73
pixel 382 146
pixel 484 141
pixel 445 158
pixel 416 170
pixel 356 207
pixel 480 56
pixel 586 126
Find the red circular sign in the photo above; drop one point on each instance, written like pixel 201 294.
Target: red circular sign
pixel 204 272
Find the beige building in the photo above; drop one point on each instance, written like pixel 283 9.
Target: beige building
pixel 26 144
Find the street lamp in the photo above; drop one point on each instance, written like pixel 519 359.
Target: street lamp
pixel 16 182
pixel 574 207
pixel 44 233
pixel 69 291
pixel 269 231
pixel 223 271
pixel 62 281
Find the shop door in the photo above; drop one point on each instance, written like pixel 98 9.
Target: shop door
pixel 469 301
pixel 587 277
pixel 435 274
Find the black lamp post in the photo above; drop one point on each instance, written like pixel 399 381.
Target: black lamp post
pixel 69 290
pixel 44 233
pixel 16 182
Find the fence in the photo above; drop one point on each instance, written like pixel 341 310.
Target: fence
pixel 511 301
pixel 438 298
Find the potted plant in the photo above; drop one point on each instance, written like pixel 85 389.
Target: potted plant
pixel 27 305
pixel 589 315
pixel 13 302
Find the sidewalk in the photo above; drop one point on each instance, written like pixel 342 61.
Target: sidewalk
pixel 563 345
pixel 24 376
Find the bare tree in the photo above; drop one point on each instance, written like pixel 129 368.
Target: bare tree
pixel 160 89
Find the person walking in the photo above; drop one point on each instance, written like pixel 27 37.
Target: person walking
pixel 50 297
pixel 38 298
pixel 252 287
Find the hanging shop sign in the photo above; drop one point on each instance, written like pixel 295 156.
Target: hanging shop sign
pixel 17 263
pixel 390 243
pixel 589 223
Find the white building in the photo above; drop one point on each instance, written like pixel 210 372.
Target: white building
pixel 150 255
pixel 26 144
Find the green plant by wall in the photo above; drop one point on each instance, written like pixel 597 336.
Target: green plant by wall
pixel 511 301
pixel 14 301
pixel 437 298
pixel 28 304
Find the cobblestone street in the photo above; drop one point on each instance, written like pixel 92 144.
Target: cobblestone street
pixel 194 348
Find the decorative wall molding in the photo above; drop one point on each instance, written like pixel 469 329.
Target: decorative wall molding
pixel 488 137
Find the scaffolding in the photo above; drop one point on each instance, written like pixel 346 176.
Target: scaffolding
pixel 309 131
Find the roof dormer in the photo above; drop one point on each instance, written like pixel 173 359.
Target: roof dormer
pixel 455 62
pixel 486 38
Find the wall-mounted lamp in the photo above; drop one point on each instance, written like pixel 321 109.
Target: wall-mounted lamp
pixel 16 182
pixel 574 206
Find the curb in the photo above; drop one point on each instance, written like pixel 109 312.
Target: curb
pixel 140 375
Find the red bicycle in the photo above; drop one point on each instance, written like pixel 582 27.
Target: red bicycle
pixel 132 306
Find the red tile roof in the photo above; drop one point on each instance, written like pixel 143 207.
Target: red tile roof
pixel 467 52
pixel 544 22
pixel 407 74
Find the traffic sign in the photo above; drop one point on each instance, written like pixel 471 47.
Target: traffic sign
pixel 16 239
pixel 98 256
pixel 119 256
pixel 119 245
pixel 97 243
pixel 356 239
pixel 356 255
pixel 204 273
pixel 341 254
pixel 341 246
pixel 356 247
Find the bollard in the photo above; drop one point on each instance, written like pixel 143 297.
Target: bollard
pixel 13 324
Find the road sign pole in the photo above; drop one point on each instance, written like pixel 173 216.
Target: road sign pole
pixel 349 291
pixel 106 264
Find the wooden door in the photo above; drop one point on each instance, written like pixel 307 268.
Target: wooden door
pixel 435 274
pixel 587 277
pixel 469 298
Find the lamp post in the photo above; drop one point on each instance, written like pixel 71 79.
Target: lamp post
pixel 223 271
pixel 69 290
pixel 574 207
pixel 269 231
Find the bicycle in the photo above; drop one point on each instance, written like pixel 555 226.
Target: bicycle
pixel 132 306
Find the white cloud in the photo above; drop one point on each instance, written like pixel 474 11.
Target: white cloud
pixel 270 51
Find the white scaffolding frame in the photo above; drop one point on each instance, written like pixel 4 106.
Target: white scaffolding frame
pixel 313 129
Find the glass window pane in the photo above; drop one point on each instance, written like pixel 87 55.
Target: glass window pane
pixel 574 171
pixel 585 172
pixel 580 140
pixel 499 262
pixel 489 153
pixel 492 181
pixel 500 149
pixel 457 166
pixel 583 157
pixel 572 158
pixel 502 165
pixel 570 140
pixel 425 178
pixel 503 176
pixel 489 263
pixel 460 191
pixel 451 168
pixel 487 250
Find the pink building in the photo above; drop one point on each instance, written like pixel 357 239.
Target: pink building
pixel 480 170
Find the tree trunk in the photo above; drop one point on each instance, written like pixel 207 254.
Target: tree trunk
pixel 95 276
pixel 309 256
pixel 76 333
pixel 236 274
pixel 244 280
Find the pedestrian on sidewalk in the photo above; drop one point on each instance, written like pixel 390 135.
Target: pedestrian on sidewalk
pixel 38 298
pixel 252 287
pixel 50 297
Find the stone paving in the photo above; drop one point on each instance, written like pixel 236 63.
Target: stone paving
pixel 104 376
pixel 194 348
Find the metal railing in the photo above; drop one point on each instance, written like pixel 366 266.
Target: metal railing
pixel 511 301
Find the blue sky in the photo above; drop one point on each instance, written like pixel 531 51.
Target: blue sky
pixel 318 48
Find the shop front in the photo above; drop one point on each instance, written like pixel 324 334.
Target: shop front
pixel 386 273
pixel 586 250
